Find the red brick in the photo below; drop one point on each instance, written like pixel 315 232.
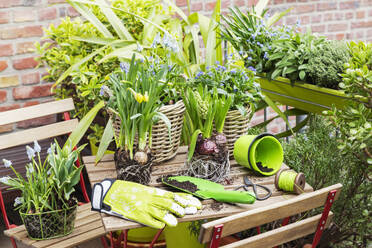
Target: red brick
pixel 252 2
pixel 56 1
pixel 10 3
pixel 278 1
pixel 2 96
pixel 30 103
pixel 31 78
pixel 349 5
pixel 305 20
pixel 32 31
pixel 339 16
pixel 316 18
pixel 196 7
pixel 21 32
pixel 337 27
pixel 340 36
pixel 25 47
pixel 6 50
pixel 360 14
pixel 6 128
pixel 349 15
pixel 4 17
pixel 24 15
pixel 225 4
pixel 47 14
pixel 9 107
pixel 72 12
pixel 318 28
pixel 181 3
pixel 291 20
pixel 27 92
pixel 239 3
pixel 210 6
pixel 366 24
pixel 328 17
pixel 25 63
pixel 3 65
pixel 305 8
pixel 326 6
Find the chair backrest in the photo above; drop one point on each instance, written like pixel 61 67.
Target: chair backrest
pixel 256 217
pixel 38 133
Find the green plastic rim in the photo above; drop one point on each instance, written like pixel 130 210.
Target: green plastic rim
pixel 264 148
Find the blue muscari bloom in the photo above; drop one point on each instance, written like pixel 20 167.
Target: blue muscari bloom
pixel 124 67
pixel 233 71
pixel 150 58
pixel 221 84
pixel 30 152
pixel 235 90
pixel 210 74
pixel 252 68
pixel 269 47
pixel 208 67
pixel 253 36
pixel 139 47
pixel 7 163
pixel 169 67
pixel 249 58
pixel 217 62
pixel 37 147
pixel 101 93
pixel 266 56
pixel 153 73
pixel 258 33
pixel 246 77
pixel 251 50
pixel 200 73
pixel 250 30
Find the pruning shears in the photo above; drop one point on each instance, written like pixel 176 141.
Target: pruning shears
pixel 248 183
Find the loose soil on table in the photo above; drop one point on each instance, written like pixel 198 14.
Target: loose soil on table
pixel 217 206
pixel 186 185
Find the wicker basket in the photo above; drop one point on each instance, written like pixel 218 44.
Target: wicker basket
pixel 162 147
pixel 236 125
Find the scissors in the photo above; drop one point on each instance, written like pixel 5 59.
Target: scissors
pixel 248 183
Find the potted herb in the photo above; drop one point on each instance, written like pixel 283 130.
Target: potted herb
pixel 239 83
pixel 208 155
pixel 133 95
pixel 295 68
pixel 46 206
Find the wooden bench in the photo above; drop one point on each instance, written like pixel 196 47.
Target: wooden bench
pixel 279 205
pixel 88 224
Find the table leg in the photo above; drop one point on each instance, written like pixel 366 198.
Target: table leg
pixel 155 237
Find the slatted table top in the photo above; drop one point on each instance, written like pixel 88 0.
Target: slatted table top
pixel 88 225
pixel 211 209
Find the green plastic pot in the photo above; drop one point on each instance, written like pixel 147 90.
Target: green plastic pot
pixel 264 148
pixel 180 237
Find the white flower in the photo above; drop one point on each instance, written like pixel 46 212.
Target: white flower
pixel 7 163
pixel 49 172
pixel 4 179
pixel 156 41
pixel 30 169
pixel 18 201
pixel 139 48
pixel 37 148
pixel 30 152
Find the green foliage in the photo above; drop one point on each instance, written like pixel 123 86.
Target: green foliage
pixel 231 81
pixel 48 185
pixel 355 121
pixel 316 154
pixel 326 62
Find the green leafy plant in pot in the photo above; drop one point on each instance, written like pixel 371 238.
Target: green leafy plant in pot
pixel 46 206
pixel 133 94
pixel 208 155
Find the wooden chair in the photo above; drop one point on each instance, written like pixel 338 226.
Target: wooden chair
pixel 213 231
pixel 88 224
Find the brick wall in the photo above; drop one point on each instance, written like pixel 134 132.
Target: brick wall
pixel 22 23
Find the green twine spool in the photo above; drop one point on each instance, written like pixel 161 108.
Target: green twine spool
pixel 290 181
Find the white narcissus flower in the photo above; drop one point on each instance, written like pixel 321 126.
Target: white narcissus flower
pixel 37 147
pixel 30 152
pixel 7 163
pixel 18 201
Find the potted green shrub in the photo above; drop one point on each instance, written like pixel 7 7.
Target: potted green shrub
pixel 296 69
pixel 239 83
pixel 46 205
pixel 133 95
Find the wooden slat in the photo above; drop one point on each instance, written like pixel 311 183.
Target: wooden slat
pixel 40 110
pixel 38 133
pixel 259 216
pixel 282 235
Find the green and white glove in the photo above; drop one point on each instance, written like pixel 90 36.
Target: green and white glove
pixel 146 205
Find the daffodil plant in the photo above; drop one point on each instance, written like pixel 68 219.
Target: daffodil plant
pixel 133 94
pixel 48 184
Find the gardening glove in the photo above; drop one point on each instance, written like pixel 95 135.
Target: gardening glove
pixel 147 205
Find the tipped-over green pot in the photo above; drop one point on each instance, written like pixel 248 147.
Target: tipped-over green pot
pixel 262 153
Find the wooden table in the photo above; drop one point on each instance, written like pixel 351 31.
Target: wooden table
pixel 88 225
pixel 210 210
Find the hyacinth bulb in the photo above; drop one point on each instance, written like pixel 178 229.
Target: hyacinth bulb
pixel 221 139
pixel 141 157
pixel 207 147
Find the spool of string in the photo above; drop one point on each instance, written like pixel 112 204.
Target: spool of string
pixel 290 181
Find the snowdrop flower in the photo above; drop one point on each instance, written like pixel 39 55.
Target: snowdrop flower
pixel 156 41
pixel 4 179
pixel 37 148
pixel 7 163
pixel 18 201
pixel 30 152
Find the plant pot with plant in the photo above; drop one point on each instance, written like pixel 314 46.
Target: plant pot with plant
pixel 46 206
pixel 208 155
pixel 133 95
pixel 239 83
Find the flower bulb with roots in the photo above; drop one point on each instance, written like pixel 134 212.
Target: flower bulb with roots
pixel 141 157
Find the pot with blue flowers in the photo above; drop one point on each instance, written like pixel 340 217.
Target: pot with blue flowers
pixel 46 205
